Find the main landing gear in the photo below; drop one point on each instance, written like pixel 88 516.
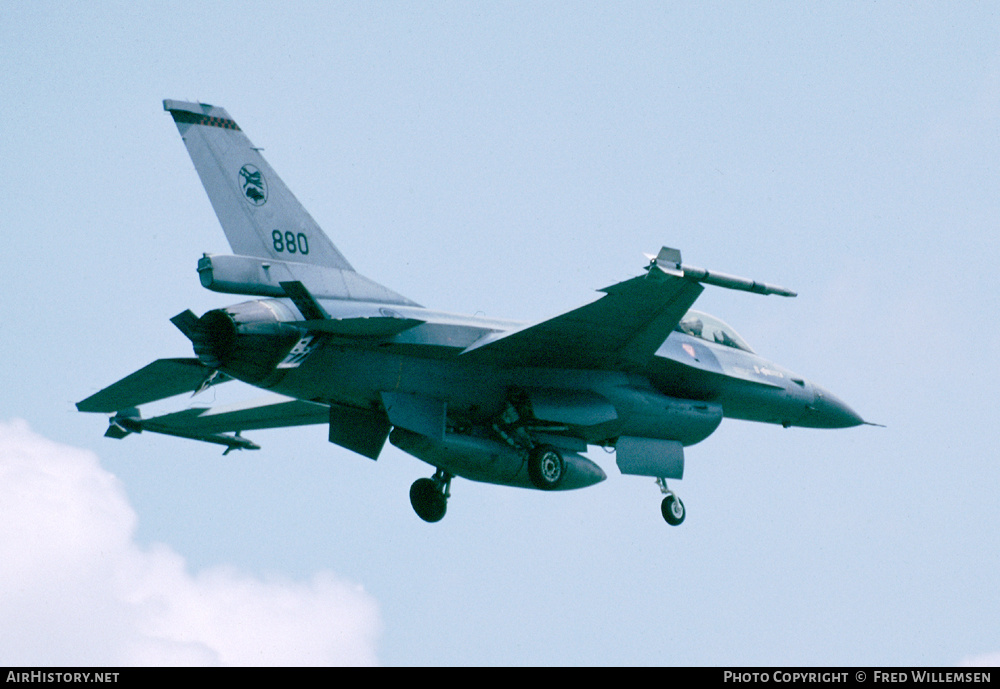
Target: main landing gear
pixel 429 496
pixel 671 507
pixel 546 467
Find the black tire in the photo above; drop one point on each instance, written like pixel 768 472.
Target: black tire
pixel 673 510
pixel 546 467
pixel 428 501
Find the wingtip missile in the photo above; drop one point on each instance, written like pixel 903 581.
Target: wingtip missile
pixel 124 423
pixel 129 421
pixel 668 262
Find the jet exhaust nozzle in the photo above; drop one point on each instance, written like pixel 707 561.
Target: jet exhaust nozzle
pixel 214 338
pixel 247 340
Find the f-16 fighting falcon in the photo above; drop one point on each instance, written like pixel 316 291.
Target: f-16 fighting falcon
pixel 496 401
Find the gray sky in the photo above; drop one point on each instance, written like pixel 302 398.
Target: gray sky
pixel 509 159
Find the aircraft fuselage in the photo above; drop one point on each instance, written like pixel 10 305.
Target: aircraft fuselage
pixel 681 395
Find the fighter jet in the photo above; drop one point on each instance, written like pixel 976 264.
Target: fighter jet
pixel 488 400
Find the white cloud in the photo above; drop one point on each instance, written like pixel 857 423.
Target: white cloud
pixel 75 589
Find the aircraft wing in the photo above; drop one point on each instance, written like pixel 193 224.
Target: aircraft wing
pixel 161 379
pixel 622 329
pixel 273 411
pixel 211 424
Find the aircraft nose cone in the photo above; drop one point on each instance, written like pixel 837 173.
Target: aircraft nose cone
pixel 828 411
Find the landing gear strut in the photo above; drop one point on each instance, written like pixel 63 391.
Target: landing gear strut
pixel 671 507
pixel 429 496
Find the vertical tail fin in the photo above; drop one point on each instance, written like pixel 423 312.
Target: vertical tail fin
pixel 258 213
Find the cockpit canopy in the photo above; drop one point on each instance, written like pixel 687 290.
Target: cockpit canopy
pixel 711 329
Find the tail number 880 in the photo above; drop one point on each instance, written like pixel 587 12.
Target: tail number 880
pixel 290 242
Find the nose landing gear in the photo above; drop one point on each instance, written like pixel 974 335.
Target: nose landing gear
pixel 672 508
pixel 429 496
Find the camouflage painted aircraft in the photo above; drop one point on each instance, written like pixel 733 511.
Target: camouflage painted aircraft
pixel 488 400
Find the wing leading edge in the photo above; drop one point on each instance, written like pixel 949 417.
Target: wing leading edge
pixel 623 329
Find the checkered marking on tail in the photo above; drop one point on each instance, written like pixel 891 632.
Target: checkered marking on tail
pixel 192 118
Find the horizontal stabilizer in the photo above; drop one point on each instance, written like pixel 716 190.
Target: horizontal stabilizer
pixel 161 379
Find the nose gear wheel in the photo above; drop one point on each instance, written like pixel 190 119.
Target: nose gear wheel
pixel 672 508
